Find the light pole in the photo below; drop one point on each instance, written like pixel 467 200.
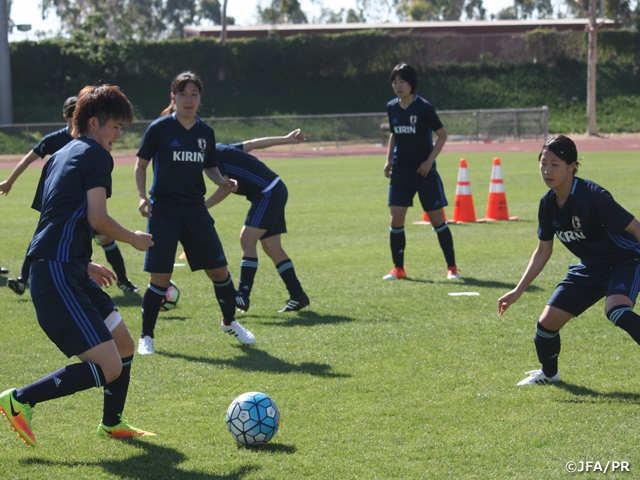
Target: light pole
pixel 6 106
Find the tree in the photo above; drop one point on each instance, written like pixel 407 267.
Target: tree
pixel 122 19
pixel 433 9
pixel 282 11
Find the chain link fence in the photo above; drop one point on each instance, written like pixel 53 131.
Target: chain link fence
pixel 328 130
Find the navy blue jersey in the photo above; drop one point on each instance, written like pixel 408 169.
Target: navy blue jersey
pixel 53 142
pixel 179 157
pixel 63 232
pixel 591 224
pixel 413 129
pixel 252 175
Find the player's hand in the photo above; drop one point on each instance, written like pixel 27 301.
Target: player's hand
pixel 230 184
pixel 424 168
pixel 5 187
pixel 296 136
pixel 101 274
pixel 387 170
pixel 144 207
pixel 142 241
pixel 507 300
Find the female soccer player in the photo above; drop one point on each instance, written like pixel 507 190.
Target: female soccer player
pixel 411 166
pixel 603 235
pixel 181 148
pixel 70 304
pixel 49 145
pixel 265 221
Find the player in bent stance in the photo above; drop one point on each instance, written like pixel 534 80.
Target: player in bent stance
pixel 71 307
pixel 265 220
pixel 602 234
pixel 181 147
pixel 49 145
pixel 411 168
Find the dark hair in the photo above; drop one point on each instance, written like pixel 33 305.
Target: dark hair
pixel 406 73
pixel 178 85
pixel 563 148
pixel 69 106
pixel 105 102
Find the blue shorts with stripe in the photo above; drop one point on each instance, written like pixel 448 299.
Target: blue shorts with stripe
pixel 267 211
pixel 70 306
pixel 195 230
pixel 584 286
pixel 405 184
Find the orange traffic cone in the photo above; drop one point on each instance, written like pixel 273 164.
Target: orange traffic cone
pixel 497 204
pixel 426 220
pixel 183 256
pixel 463 211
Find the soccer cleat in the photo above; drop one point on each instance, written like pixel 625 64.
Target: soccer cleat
pixel 243 335
pixel 145 345
pixel 17 285
pixel 397 273
pixel 4 271
pixel 242 302
pixel 453 273
pixel 295 304
pixel 127 286
pixel 19 416
pixel 537 377
pixel 121 430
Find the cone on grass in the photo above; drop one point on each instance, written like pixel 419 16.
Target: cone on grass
pixel 427 221
pixel 497 205
pixel 463 210
pixel 183 256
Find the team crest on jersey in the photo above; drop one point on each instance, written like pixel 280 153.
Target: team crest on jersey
pixel 202 143
pixel 575 222
pixel 413 119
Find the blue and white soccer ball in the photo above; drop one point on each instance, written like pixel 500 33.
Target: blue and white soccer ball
pixel 253 418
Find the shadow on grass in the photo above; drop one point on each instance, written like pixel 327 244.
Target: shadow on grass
pixel 306 318
pixel 475 282
pixel 583 393
pixel 155 462
pixel 255 360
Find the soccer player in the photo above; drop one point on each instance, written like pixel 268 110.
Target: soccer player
pixel 602 234
pixel 411 166
pixel 265 221
pixel 49 145
pixel 181 147
pixel 71 307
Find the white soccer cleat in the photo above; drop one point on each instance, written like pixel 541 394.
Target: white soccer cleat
pixel 537 377
pixel 145 345
pixel 243 335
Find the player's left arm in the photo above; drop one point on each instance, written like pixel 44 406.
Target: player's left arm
pixel 216 177
pixel 219 195
pixel 293 137
pixel 634 229
pixel 425 167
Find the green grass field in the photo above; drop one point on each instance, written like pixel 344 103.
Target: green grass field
pixel 386 380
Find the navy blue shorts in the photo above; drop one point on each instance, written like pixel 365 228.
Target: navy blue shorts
pixel 583 286
pixel 70 306
pixel 195 231
pixel 404 186
pixel 267 211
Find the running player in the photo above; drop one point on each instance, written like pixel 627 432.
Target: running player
pixel 71 307
pixel 49 145
pixel 181 147
pixel 265 221
pixel 603 235
pixel 411 166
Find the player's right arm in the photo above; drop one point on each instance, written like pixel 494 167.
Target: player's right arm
pixel 140 172
pixel 100 220
pixel 537 263
pixel 219 195
pixel 392 146
pixel 27 160
pixel 292 137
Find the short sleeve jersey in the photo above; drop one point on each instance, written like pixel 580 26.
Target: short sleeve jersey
pixel 52 142
pixel 179 157
pixel 63 232
pixel 252 175
pixel 413 129
pixel 591 224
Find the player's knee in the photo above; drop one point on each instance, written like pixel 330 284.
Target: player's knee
pixel 616 312
pixel 112 369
